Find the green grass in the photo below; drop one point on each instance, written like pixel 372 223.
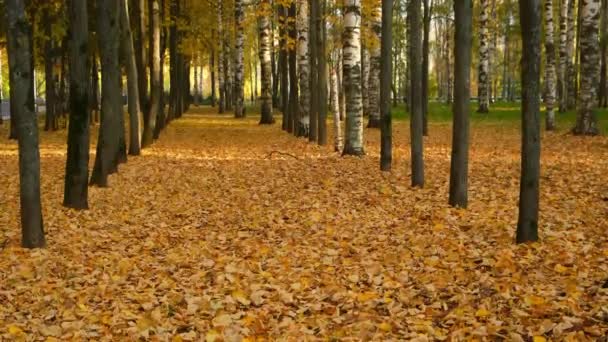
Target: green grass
pixel 500 112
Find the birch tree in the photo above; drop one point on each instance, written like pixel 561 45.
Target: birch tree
pixel 482 81
pixel 374 67
pixel 238 60
pixel 563 55
pixel 549 67
pixel 571 77
pixel 586 120
pixel 265 61
pixel 303 69
pixel 352 78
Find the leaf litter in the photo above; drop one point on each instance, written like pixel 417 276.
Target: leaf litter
pixel 226 230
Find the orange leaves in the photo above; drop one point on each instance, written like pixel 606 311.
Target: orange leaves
pixel 208 237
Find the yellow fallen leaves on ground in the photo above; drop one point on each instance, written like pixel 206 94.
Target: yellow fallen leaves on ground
pixel 208 236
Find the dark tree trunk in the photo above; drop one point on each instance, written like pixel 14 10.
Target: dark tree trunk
pixel 425 66
pixel 283 64
pixel 174 64
pixel 1 92
pixel 108 153
pixel 460 137
pixel 21 71
pixel 62 100
pixel 386 134
pixel 416 121
pixel 141 57
pixel 603 87
pixel 77 164
pixel 275 69
pixel 527 224
pixel 294 114
pixel 50 122
pixel 155 75
pixel 132 80
pixel 322 71
pixel 161 119
pixel 94 94
pixel 212 68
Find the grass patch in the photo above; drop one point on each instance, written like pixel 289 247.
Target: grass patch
pixel 500 112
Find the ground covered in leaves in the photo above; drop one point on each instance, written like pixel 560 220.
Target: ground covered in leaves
pixel 228 230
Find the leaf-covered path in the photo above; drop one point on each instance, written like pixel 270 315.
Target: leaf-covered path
pixel 229 229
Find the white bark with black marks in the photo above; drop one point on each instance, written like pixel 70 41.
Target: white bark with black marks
pixel 265 61
pixel 563 56
pixel 550 74
pixel 484 56
pixel 374 67
pixel 352 78
pixel 586 120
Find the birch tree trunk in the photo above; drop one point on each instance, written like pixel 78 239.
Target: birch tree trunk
pixel 586 120
pixel 428 8
pixel 228 73
pixel 549 67
pixel 303 69
pixel 374 72
pixel 20 61
pixel 239 96
pixel 563 56
pixel 482 81
pixel 334 93
pixel 321 71
pixel 571 78
pixel 314 76
pixel 265 60
pixel 365 66
pixel 352 78
pixel 491 50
